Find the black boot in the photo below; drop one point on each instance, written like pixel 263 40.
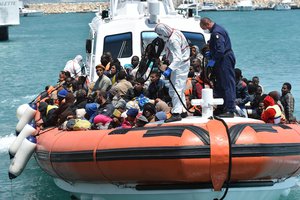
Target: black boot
pixel 184 115
pixel 173 118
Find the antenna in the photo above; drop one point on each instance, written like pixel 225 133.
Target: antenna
pixel 153 7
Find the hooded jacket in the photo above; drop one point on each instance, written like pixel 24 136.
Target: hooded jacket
pixel 272 113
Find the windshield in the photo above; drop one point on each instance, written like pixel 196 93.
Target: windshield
pixel 192 38
pixel 119 45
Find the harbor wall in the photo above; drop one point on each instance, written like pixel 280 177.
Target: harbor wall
pixel 56 8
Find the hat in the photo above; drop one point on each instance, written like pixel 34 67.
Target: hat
pixel 102 119
pixel 132 104
pixel 142 118
pixel 126 66
pixel 100 66
pixel 132 112
pixel 80 113
pixel 78 58
pixel 91 108
pixel 161 115
pixel 62 93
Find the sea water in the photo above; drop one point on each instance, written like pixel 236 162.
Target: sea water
pixel 266 44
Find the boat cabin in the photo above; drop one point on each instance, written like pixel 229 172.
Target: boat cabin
pixel 128 27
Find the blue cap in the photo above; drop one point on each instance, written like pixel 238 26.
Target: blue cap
pixel 62 93
pixel 132 112
pixel 126 66
pixel 91 108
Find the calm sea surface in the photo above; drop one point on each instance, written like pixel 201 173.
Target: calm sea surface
pixel 266 44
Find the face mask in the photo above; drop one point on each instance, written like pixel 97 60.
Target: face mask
pixel 206 31
pixel 164 38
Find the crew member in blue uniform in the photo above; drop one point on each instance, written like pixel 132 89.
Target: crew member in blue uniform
pixel 223 60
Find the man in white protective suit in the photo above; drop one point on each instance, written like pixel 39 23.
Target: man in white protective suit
pixel 177 53
pixel 74 66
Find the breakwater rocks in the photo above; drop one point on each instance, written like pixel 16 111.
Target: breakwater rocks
pixel 58 8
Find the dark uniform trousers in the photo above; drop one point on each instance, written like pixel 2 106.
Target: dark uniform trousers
pixel 222 54
pixel 225 81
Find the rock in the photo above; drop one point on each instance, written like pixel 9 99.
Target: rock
pixel 57 8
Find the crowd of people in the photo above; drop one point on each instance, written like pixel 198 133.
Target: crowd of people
pixel 123 98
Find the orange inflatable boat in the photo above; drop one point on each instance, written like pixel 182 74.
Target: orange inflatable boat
pixel 172 154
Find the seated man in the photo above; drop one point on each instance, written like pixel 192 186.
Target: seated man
pixel 158 88
pixel 242 95
pixel 103 83
pixel 132 68
pixel 105 105
pixel 136 91
pixel 272 113
pixel 122 86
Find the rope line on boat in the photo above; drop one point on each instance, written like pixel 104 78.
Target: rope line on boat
pixel 230 158
pixel 151 54
pixel 11 190
pixel 45 131
pixel 141 74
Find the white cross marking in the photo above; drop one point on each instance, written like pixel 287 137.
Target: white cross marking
pixel 207 102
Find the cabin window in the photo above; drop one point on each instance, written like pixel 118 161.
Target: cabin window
pixel 195 39
pixel 147 38
pixel 120 45
pixel 192 38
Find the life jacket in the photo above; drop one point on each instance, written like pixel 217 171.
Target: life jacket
pixel 189 87
pixel 107 67
pixel 50 107
pixel 78 124
pixel 196 110
pixel 278 114
pixel 44 95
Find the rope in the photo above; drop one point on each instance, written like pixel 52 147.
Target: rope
pixel 11 190
pixel 180 97
pixel 230 159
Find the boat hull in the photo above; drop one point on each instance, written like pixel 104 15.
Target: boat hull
pixel 190 159
pixel 172 154
pixel 128 192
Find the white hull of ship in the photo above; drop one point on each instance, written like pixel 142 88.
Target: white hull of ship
pixel 27 12
pixel 245 8
pixel 282 7
pixel 126 192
